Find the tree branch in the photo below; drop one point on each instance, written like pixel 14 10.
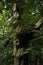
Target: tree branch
pixel 39 23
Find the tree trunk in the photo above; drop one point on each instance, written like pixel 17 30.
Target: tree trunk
pixel 15 40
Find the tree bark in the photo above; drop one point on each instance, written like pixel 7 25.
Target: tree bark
pixel 15 40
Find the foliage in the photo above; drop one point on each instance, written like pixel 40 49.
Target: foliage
pixel 6 23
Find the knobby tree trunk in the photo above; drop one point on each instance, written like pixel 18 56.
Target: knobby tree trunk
pixel 16 29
